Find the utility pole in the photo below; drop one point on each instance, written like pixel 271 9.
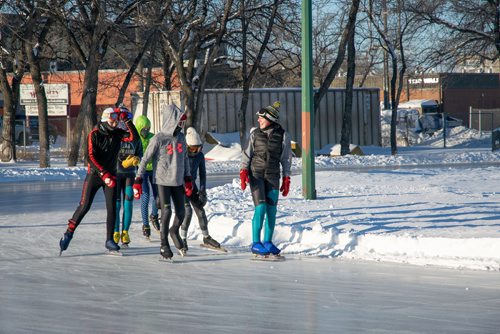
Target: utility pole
pixel 308 178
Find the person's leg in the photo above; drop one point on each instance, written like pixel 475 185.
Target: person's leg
pixel 257 187
pixel 90 186
pixel 271 209
pixel 178 200
pixel 187 221
pixel 110 197
pixel 154 192
pixel 119 188
pixel 166 212
pixel 145 199
pixel 128 199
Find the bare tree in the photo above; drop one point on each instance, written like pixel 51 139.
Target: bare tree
pixel 89 26
pixel 256 24
pixel 12 69
pixel 393 39
pixel 191 30
pixel 462 30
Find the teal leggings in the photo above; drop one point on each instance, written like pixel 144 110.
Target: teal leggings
pixel 265 210
pixel 125 193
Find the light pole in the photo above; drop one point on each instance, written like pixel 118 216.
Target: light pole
pixel 308 180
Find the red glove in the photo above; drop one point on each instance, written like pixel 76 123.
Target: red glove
pixel 285 186
pixel 244 178
pixel 137 187
pixel 108 179
pixel 188 186
pixel 124 116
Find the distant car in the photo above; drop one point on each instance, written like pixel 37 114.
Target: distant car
pixel 35 134
pixel 22 133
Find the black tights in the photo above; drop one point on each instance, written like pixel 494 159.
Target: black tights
pixel 91 185
pixel 165 193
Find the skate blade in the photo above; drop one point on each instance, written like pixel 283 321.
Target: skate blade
pixel 271 258
pixel 167 260
pixel 182 252
pixel 113 253
pixel 125 246
pixel 220 249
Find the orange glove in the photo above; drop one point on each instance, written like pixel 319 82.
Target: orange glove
pixel 285 186
pixel 244 178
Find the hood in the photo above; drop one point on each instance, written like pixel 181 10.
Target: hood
pixel 170 117
pixel 142 122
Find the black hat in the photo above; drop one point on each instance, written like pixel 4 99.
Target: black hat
pixel 271 113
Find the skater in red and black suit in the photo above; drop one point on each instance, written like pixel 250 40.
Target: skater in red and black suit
pixel 103 145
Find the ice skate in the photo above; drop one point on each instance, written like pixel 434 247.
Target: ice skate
pixel 211 243
pixel 113 248
pixel 155 222
pixel 146 232
pixel 259 249
pixel 116 237
pixel 125 239
pixel 166 254
pixel 182 252
pixel 184 241
pixel 272 248
pixel 65 240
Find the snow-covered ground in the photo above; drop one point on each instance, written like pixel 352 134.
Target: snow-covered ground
pixel 347 251
pixel 426 206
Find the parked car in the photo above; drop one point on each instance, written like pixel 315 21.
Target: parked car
pixel 33 125
pixel 22 132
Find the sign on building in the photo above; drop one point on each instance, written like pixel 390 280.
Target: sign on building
pixel 57 99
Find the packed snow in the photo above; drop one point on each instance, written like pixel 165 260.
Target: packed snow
pixel 427 205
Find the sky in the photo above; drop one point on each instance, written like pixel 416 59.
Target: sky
pixel 426 206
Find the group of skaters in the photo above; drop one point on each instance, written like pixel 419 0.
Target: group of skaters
pixel 127 161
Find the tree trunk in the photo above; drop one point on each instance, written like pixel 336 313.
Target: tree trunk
pixel 87 117
pixel 41 101
pixel 145 97
pixel 10 100
pixel 345 139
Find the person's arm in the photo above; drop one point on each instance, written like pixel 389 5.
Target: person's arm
pixel 203 173
pixel 286 155
pixel 93 160
pixel 246 157
pixel 148 155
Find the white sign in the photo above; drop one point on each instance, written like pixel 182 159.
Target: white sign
pixel 424 80
pixel 56 94
pixel 52 110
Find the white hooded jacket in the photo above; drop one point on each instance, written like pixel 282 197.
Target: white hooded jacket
pixel 167 151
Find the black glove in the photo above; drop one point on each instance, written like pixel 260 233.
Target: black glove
pixel 202 194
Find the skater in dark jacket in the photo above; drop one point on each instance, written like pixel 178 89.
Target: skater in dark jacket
pixel 168 151
pixel 129 157
pixel 103 144
pixel 198 198
pixel 269 147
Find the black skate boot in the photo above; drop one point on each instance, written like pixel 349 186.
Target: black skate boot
pixel 211 243
pixel 65 240
pixel 146 231
pixel 184 241
pixel 155 222
pixel 166 253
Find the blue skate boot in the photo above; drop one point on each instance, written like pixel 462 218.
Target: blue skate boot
pixel 65 240
pixel 259 249
pixel 112 247
pixel 272 248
